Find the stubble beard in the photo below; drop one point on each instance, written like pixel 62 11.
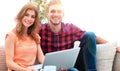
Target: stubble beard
pixel 55 23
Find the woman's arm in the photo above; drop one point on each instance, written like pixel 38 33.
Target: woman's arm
pixel 40 54
pixel 9 49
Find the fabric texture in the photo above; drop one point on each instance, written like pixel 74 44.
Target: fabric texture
pixel 2 59
pixel 65 39
pixel 105 56
pixel 24 50
pixel 86 60
pixel 51 41
pixel 116 63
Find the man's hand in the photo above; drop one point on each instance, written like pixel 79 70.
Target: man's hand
pixel 118 49
pixel 62 69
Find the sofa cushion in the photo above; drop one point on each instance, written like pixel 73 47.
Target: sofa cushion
pixel 2 59
pixel 116 63
pixel 105 56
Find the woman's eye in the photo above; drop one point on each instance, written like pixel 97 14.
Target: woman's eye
pixel 26 15
pixel 32 16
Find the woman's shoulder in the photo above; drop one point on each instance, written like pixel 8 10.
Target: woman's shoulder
pixel 38 36
pixel 11 35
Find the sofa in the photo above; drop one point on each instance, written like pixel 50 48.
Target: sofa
pixel 2 59
pixel 107 58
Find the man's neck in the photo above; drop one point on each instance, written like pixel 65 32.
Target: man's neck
pixel 55 28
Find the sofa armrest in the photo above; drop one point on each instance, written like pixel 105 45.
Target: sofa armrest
pixel 116 63
pixel 2 59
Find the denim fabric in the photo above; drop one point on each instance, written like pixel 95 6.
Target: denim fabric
pixel 72 69
pixel 86 60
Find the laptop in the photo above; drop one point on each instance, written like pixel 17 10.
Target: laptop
pixel 65 59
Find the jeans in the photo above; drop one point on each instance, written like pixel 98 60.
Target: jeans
pixel 72 69
pixel 86 60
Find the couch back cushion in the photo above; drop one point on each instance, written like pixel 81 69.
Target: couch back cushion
pixel 2 59
pixel 105 56
pixel 116 66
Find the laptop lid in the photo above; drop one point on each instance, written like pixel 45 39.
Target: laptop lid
pixel 65 58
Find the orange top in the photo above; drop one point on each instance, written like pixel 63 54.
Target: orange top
pixel 25 51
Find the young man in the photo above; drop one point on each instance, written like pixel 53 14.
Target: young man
pixel 56 36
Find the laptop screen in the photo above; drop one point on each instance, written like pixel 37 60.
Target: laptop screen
pixel 65 58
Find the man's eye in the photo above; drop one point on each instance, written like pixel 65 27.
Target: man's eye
pixel 59 11
pixel 53 11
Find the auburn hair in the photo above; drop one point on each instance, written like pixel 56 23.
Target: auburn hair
pixel 33 29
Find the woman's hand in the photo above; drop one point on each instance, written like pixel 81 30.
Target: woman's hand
pixel 30 69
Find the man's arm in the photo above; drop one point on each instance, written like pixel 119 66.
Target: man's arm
pixel 100 40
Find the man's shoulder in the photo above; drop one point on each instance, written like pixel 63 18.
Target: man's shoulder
pixel 69 25
pixel 43 26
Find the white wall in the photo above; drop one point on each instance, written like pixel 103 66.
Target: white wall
pixel 99 16
pixel 8 11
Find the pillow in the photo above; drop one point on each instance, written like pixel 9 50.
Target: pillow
pixel 105 56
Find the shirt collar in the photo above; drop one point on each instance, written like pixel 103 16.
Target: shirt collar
pixel 63 29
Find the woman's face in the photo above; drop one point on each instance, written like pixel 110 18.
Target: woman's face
pixel 29 18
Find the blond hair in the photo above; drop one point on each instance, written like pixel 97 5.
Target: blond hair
pixel 54 2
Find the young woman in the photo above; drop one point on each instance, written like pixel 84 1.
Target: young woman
pixel 23 43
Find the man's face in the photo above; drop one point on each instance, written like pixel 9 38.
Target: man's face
pixel 55 14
